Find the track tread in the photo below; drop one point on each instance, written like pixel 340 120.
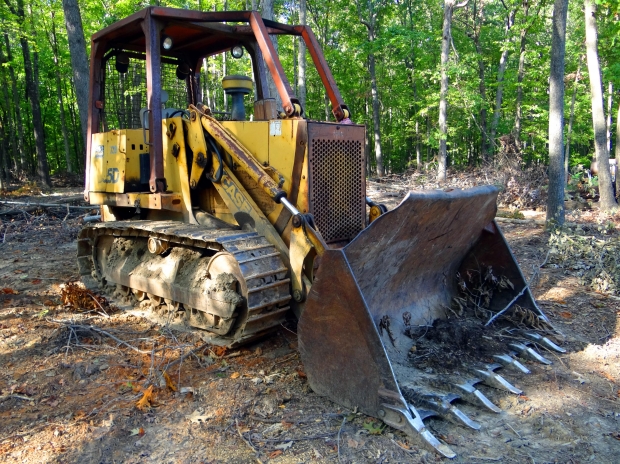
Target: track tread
pixel 267 299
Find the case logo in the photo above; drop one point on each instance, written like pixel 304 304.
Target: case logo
pixel 235 195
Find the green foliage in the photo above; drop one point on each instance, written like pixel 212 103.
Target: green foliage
pixel 407 51
pixel 515 214
pixel 374 428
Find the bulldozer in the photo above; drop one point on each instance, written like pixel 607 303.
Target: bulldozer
pixel 236 222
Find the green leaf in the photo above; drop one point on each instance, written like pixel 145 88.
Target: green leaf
pixel 374 428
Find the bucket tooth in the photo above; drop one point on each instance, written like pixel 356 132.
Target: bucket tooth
pixel 410 421
pixel 529 353
pixel 508 360
pixel 442 406
pixel 472 395
pixel 464 419
pixel 426 413
pixel 544 341
pixel 495 380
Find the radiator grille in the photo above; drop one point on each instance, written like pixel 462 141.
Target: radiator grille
pixel 337 187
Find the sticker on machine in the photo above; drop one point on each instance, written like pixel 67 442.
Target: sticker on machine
pixel 99 151
pixel 275 128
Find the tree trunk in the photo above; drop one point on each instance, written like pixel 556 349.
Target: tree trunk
pixel 607 201
pixel 520 76
pixel 428 139
pixel 482 122
pixel 418 152
pixel 61 105
pixel 6 128
pixel 375 113
pixel 4 172
pixel 484 143
pixel 79 60
pixel 610 98
pixel 501 69
pixel 43 171
pixel 617 147
pixel 39 134
pixel 21 153
pixel 371 27
pixel 443 92
pixel 301 59
pixel 555 201
pixel 570 122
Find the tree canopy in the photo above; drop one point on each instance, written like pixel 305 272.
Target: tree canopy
pixel 498 70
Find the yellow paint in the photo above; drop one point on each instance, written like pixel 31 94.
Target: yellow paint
pixel 196 143
pixel 97 163
pixel 241 204
pixel 115 159
pixel 171 168
pixel 282 149
pixel 182 175
pixel 131 143
pixel 273 143
pixel 253 135
pixel 167 201
pixel 303 204
pixel 241 83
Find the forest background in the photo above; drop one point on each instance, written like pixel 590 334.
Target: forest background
pixel 386 59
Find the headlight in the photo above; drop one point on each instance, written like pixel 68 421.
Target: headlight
pixel 237 51
pixel 166 42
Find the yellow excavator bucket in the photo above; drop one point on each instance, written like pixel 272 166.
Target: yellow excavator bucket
pixel 399 273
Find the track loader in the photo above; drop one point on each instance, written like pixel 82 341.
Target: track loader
pixel 234 221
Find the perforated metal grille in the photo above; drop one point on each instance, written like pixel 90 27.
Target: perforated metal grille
pixel 337 187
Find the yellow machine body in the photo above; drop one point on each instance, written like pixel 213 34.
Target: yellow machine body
pixel 231 221
pixel 115 167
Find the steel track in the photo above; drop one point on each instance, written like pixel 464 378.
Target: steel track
pixel 265 286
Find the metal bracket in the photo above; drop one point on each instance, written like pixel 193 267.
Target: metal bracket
pixel 145 113
pixel 409 421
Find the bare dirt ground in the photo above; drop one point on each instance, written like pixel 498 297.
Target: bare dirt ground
pixel 89 386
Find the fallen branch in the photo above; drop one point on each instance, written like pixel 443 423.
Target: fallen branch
pixel 312 437
pixel 33 429
pixel 267 421
pixel 537 222
pixel 185 355
pixel 69 199
pixel 46 205
pixel 247 442
pixel 603 295
pixel 3 398
pixel 74 327
pixel 17 211
pixel 344 419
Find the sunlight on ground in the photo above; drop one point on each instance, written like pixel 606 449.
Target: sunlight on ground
pixel 604 358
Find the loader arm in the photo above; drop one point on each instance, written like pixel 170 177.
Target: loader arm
pixel 304 239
